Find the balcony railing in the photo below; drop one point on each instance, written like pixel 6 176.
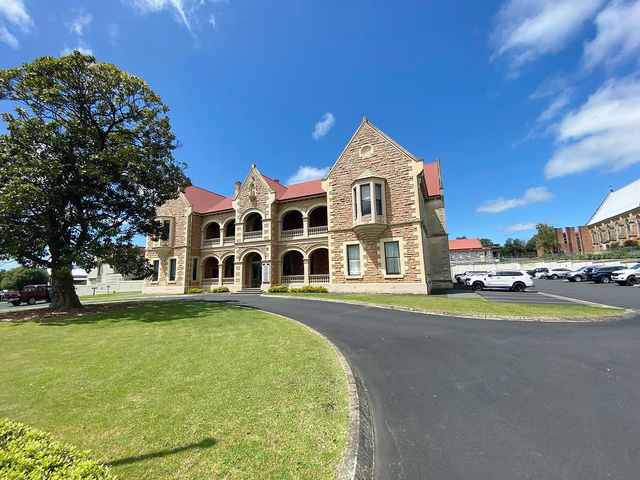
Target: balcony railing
pixel 211 242
pixel 253 235
pixel 289 279
pixel 227 280
pixel 295 233
pixel 319 278
pixel 229 240
pixel 313 231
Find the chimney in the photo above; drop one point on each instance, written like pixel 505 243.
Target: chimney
pixel 238 185
pixel 277 181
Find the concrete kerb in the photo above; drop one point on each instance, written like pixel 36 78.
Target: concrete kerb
pixel 609 318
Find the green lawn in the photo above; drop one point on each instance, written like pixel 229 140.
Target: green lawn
pixel 109 296
pixel 476 306
pixel 181 390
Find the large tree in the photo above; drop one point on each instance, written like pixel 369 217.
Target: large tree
pixel 546 238
pixel 87 157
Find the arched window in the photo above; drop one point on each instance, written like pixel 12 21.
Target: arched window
pixel 213 231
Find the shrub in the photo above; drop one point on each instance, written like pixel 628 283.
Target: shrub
pixel 630 243
pixel 309 289
pixel 195 290
pixel 219 290
pixel 278 289
pixel 29 453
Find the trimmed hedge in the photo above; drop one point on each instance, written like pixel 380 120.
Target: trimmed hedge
pixel 278 289
pixel 32 454
pixel 195 290
pixel 308 289
pixel 219 290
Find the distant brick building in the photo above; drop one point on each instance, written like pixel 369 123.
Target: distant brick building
pixel 375 223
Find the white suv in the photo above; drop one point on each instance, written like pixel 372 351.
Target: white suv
pixel 628 276
pixel 512 280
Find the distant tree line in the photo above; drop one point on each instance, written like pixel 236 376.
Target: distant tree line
pixel 544 240
pixel 17 278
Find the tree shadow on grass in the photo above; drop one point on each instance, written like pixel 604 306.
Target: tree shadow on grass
pixel 202 444
pixel 150 312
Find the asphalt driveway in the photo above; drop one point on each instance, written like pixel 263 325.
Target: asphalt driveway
pixel 609 294
pixel 472 399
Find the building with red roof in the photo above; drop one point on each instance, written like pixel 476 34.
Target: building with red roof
pixel 471 251
pixel 375 223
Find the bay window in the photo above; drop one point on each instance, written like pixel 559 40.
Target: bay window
pixel 365 199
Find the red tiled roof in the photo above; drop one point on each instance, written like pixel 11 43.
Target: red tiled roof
pixel 201 199
pixel 273 185
pixel 224 204
pixel 432 179
pixel 304 189
pixel 465 244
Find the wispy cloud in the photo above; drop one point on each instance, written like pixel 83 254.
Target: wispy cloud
pixel 150 6
pixel 15 13
pixel 114 32
pixel 79 22
pixel 519 227
pixel 323 126
pixel 603 132
pixel 527 29
pixel 304 174
pixel 500 204
pixel 212 20
pixel 618 37
pixel 81 48
pixel 7 37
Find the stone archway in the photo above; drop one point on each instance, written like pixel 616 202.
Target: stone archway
pixel 252 270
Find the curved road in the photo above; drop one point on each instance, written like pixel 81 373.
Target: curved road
pixel 472 399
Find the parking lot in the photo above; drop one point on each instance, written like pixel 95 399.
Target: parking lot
pixel 609 294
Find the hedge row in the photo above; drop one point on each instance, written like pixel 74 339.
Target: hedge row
pixel 302 289
pixel 27 453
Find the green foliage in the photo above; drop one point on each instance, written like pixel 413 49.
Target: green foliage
pixel 486 242
pixel 17 278
pixel 195 290
pixel 546 237
pixel 278 289
pixel 309 289
pixel 29 453
pixel 86 158
pixel 630 243
pixel 219 290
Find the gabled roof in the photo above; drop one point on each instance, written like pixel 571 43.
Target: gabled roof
pixel 465 244
pixel 617 202
pixel 304 189
pixel 275 186
pixel 432 179
pixel 201 199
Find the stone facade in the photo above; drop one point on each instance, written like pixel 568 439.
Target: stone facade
pixel 621 230
pixel 378 202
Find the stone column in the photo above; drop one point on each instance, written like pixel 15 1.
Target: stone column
pixel 306 271
pixel 305 226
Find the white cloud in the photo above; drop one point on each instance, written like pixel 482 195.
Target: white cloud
pixel 81 48
pixel 304 174
pixel 500 204
pixel 16 13
pixel 555 107
pixel 323 126
pixel 77 24
pixel 114 32
pixel 519 227
pixel 148 6
pixel 212 20
pixel 7 37
pixel 527 29
pixel 618 36
pixel 603 132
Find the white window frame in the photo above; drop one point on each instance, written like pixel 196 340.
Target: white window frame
pixel 169 270
pixel 383 258
pixel 345 260
pixel 357 211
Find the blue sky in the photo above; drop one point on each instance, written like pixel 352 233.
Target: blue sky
pixel 533 106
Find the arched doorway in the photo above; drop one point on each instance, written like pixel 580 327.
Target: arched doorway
pixel 319 266
pixel 228 270
pixel 292 224
pixel 230 231
pixel 211 269
pixel 292 267
pixel 253 270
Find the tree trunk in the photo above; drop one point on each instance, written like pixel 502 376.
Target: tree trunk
pixel 63 294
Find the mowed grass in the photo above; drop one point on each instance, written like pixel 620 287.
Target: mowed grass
pixel 110 296
pixel 475 306
pixel 181 390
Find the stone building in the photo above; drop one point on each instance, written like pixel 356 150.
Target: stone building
pixel 470 251
pixel 375 223
pixel 616 222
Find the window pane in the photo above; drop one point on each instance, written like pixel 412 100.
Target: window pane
pixel 195 269
pixel 355 204
pixel 172 269
pixel 378 199
pixel 392 258
pixel 353 257
pixel 156 270
pixel 365 198
pixel 166 226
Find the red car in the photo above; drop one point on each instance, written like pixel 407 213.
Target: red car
pixel 30 294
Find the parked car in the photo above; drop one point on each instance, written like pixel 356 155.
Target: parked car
pixel 3 294
pixel 580 274
pixel 511 280
pixel 30 294
pixel 556 273
pixel 628 276
pixel 603 274
pixel 460 277
pixel 537 271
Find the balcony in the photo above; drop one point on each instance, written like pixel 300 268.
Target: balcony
pixel 292 279
pixel 211 242
pixel 252 235
pixel 229 240
pixel 318 231
pixel 295 233
pixel 319 279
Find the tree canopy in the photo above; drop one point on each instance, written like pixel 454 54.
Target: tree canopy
pixel 87 157
pixel 546 238
pixel 17 278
